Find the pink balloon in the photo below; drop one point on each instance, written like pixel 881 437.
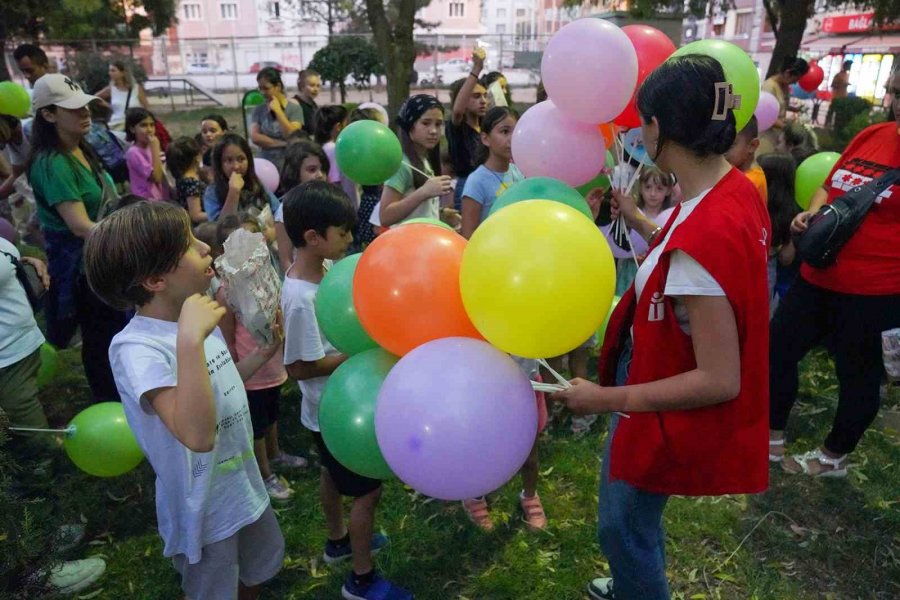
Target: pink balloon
pixel 267 173
pixel 590 69
pixel 766 111
pixel 546 143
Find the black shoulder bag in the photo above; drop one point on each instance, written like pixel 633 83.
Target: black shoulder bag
pixel 30 280
pixel 833 226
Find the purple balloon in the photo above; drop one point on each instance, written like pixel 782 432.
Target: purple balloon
pixel 767 110
pixel 590 69
pixel 7 231
pixel 456 418
pixel 267 173
pixel 547 143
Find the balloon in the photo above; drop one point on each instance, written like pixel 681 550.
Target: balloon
pixel 267 173
pixel 335 311
pixel 547 143
pixel 609 131
pixel 542 188
pixel 347 412
pixel 589 69
pixel 7 231
pixel 101 443
pixel 799 92
pixel 456 418
pixel 49 365
pixel 633 143
pixel 811 175
pixel 739 69
pixel 368 152
pixel 14 100
pixel 652 47
pixel 406 288
pixel 766 111
pixel 812 78
pixel 601 332
pixel 537 279
pixel 254 98
pixel 427 221
pixel 602 178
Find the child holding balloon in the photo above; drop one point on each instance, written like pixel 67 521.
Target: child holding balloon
pixel 415 189
pixel 184 400
pixel 318 218
pixel 236 186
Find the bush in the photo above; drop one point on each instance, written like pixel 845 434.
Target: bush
pixel 92 69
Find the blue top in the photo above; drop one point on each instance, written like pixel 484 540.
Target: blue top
pixel 483 186
pixel 212 206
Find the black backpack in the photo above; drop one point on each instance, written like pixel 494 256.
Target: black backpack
pixel 833 226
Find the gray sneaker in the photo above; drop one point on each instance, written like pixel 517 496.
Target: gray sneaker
pixel 601 589
pixel 76 575
pixel 278 492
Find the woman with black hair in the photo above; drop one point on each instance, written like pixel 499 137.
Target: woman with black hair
pixel 72 191
pixel 779 85
pixel 689 338
pixel 274 121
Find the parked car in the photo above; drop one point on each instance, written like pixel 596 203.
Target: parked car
pixel 200 68
pixel 259 66
pixel 454 64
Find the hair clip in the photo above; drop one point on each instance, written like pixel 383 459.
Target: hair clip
pixel 726 100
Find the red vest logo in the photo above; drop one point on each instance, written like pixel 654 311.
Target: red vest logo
pixel 657 308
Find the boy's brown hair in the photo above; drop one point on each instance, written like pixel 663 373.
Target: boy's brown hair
pixel 142 240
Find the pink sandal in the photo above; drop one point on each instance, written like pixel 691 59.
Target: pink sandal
pixel 477 509
pixel 534 511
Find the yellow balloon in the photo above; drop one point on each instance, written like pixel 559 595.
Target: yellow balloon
pixel 537 279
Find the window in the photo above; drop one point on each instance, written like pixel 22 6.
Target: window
pixel 457 9
pixel 520 12
pixel 744 24
pixel 274 10
pixel 229 11
pixel 191 12
pixel 501 13
pixel 500 28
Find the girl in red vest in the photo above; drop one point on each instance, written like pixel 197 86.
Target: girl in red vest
pixel 695 328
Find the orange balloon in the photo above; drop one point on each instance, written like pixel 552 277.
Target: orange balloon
pixel 608 131
pixel 406 288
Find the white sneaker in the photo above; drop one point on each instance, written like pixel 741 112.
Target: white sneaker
pixel 76 575
pixel 277 491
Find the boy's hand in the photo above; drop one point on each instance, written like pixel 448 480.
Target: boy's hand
pixel 236 182
pixel 199 317
pixel 478 56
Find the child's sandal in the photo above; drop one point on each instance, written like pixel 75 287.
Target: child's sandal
pixel 838 468
pixel 776 458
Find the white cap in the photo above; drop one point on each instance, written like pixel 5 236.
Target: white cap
pixel 55 89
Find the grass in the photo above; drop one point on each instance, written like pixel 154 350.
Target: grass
pixel 803 539
pixel 187 122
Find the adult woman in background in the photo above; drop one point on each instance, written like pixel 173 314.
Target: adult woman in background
pixel 71 190
pixel 122 93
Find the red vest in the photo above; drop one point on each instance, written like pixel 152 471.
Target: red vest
pixel 719 449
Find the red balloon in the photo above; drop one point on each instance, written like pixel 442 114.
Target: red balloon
pixel 813 78
pixel 406 288
pixel 653 47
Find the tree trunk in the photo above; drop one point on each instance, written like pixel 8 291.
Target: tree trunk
pixel 4 71
pixel 395 44
pixel 791 26
pixel 343 88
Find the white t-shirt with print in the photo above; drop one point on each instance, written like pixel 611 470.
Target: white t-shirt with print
pixel 201 497
pixel 304 340
pixel 686 276
pixel 19 332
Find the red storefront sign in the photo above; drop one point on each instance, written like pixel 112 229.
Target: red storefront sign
pixel 860 23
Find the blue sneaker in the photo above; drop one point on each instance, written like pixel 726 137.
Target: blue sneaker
pixel 335 553
pixel 379 589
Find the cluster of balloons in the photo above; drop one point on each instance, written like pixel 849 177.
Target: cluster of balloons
pixel 429 320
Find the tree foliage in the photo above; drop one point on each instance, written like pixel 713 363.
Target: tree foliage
pixel 347 56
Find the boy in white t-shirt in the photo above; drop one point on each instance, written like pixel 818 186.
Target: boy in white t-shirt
pixel 318 218
pixel 185 401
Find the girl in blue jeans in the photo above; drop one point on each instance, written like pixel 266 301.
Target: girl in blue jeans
pixel 689 339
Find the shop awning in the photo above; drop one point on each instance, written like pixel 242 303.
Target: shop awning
pixel 847 44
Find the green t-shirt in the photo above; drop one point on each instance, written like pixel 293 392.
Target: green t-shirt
pixel 57 178
pixel 402 182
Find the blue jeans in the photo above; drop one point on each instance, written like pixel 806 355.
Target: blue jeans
pixel 630 528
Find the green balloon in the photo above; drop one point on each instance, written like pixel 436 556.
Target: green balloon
pixel 427 221
pixel 542 188
pixel 336 313
pixel 739 69
pixel 347 412
pixel 49 365
pixel 811 175
pixel 254 98
pixel 101 443
pixel 601 333
pixel 368 152
pixel 601 180
pixel 14 100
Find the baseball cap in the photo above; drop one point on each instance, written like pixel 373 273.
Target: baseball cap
pixel 59 90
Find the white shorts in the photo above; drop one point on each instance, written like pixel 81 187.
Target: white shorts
pixel 252 556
